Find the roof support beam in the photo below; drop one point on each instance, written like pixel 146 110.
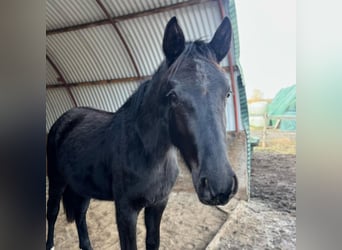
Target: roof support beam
pixel 231 72
pixel 112 81
pixel 61 78
pixel 127 17
pixel 103 8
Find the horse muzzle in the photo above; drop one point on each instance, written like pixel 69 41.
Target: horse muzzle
pixel 208 195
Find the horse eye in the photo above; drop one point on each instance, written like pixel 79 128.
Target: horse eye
pixel 173 98
pixel 229 92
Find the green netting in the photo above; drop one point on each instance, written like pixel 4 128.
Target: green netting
pixel 284 104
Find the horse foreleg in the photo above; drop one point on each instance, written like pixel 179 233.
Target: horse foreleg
pixel 126 219
pixel 153 217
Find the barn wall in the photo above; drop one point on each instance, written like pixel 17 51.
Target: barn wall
pixel 237 151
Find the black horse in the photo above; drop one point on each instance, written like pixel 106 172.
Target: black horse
pixel 130 156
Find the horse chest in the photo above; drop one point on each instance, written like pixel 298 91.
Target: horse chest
pixel 156 185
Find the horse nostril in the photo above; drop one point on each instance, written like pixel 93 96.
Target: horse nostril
pixel 235 185
pixel 204 183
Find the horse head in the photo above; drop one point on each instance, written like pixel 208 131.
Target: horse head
pixel 196 90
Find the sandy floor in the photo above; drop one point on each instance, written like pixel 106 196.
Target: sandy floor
pixel 186 223
pixel 267 221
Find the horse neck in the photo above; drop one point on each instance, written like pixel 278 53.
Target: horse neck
pixel 151 121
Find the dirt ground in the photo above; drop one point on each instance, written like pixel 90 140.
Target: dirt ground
pixel 267 221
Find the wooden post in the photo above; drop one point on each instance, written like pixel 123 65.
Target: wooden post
pixel 263 144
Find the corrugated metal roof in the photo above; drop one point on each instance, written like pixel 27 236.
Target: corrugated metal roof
pixel 65 13
pixel 90 54
pixel 97 53
pixel 57 102
pixel 145 34
pixel 107 97
pixel 120 8
pixel 51 74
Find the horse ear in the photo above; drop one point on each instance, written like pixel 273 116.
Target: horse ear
pixel 173 41
pixel 220 43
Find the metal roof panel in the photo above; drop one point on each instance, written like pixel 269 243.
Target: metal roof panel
pixel 51 74
pixel 109 97
pixel 57 102
pixel 90 54
pixel 65 13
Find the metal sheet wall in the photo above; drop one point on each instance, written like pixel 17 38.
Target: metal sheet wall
pixel 230 109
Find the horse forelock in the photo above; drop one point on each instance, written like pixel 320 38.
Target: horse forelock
pixel 197 51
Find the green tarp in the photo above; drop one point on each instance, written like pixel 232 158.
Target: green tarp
pixel 284 104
